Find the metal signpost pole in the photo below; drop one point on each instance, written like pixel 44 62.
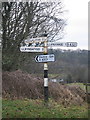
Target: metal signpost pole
pixel 45 72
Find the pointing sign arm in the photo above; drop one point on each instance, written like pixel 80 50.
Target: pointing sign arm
pixel 63 44
pixel 36 58
pixel 45 58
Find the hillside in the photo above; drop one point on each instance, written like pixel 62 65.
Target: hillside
pixel 70 65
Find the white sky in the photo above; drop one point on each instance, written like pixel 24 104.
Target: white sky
pixel 77 24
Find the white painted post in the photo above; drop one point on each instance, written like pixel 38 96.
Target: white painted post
pixel 45 72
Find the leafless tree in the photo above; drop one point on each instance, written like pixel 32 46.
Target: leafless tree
pixel 21 20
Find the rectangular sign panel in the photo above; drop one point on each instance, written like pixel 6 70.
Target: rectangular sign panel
pixel 31 49
pixel 45 58
pixel 62 44
pixel 71 44
pixel 38 39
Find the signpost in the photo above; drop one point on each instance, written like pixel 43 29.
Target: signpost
pixel 40 44
pixel 45 73
pixel 45 58
pixel 62 44
pixel 38 39
pixel 31 49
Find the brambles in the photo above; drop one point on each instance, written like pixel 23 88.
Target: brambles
pixel 20 85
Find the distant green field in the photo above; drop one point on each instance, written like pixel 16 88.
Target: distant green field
pixel 36 109
pixel 81 85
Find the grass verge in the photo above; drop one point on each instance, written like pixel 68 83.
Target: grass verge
pixel 35 109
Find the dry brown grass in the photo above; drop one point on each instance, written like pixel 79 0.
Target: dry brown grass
pixel 17 85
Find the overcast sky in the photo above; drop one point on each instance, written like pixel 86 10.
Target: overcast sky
pixel 77 24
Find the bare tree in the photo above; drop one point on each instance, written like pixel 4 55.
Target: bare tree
pixel 29 19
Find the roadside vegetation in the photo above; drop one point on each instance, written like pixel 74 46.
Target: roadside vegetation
pixel 28 108
pixel 23 98
pixel 81 85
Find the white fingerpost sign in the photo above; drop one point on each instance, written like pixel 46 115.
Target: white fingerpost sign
pixel 38 39
pixel 45 58
pixel 62 44
pixel 31 49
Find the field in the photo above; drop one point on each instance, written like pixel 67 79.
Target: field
pixel 35 109
pixel 82 86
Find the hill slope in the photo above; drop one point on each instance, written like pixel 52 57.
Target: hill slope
pixel 19 85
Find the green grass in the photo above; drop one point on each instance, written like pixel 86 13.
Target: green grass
pixel 36 109
pixel 0 108
pixel 81 85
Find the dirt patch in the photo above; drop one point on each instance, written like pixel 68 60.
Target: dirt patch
pixel 17 85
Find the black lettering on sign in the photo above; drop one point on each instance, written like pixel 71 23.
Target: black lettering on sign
pixel 50 56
